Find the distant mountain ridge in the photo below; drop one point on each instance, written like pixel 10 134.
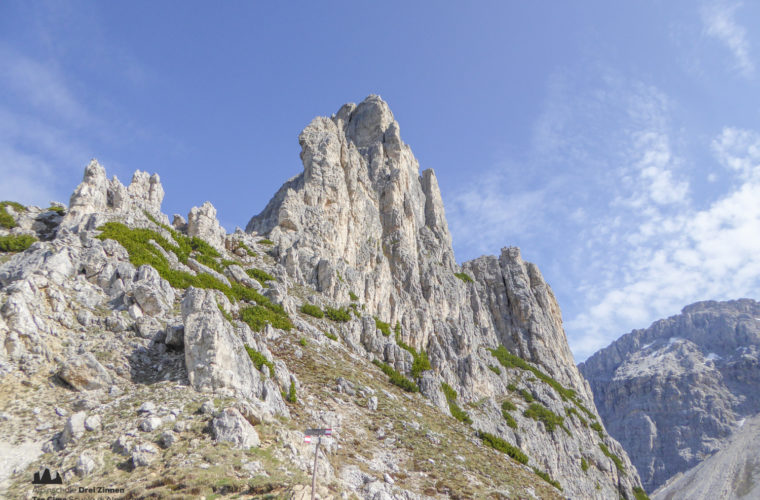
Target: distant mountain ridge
pixel 674 393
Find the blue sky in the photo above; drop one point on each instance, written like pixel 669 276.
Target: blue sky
pixel 618 144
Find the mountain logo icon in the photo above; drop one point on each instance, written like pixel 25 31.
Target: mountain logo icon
pixel 46 479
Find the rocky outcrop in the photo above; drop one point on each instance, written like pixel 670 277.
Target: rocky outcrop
pixel 673 394
pixel 360 224
pixel 732 473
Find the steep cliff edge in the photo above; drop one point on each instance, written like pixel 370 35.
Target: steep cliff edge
pixel 180 359
pixel 364 228
pixel 674 393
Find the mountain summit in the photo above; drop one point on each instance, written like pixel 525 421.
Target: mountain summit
pixel 180 358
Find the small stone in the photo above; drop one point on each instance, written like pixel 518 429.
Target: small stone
pixel 144 454
pixel 168 438
pixel 232 427
pixel 208 408
pixel 122 445
pixel 36 411
pixel 74 428
pixel 388 479
pixel 180 426
pixel 85 465
pixel 114 391
pixel 150 424
pixel 92 423
pixel 147 407
pixel 60 411
pixel 372 403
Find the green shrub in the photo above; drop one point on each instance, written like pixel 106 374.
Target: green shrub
pixel 258 316
pixel 331 336
pixel 6 220
pixel 584 464
pixel 353 296
pixel 509 360
pixel 451 398
pixel 291 396
pixel 640 494
pixel 341 315
pixel 57 209
pixel 613 457
pixel 598 428
pixel 573 411
pixel 397 331
pixel 16 243
pixel 543 475
pixel 228 263
pixel 247 249
pixel 396 378
pixel 543 414
pixel 508 406
pixel 302 342
pixel 512 387
pixel 527 396
pixel 464 277
pixel 312 310
pixel 259 360
pixel 266 241
pixel 384 327
pixel 510 419
pixel 260 276
pixel 499 444
pixel 420 363
pixel 226 315
pixel 495 369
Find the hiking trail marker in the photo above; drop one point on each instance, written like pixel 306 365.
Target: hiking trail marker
pixel 308 433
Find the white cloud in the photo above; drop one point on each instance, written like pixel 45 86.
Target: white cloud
pixel 687 256
pixel 719 23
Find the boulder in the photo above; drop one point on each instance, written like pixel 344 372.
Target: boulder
pixel 230 426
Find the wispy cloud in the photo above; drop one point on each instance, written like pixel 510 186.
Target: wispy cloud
pixel 610 182
pixel 676 259
pixel 719 23
pixel 39 121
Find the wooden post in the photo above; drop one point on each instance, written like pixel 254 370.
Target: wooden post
pixel 314 471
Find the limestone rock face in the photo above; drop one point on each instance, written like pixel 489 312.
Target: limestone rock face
pixel 202 222
pixel 232 427
pixel 215 355
pixel 732 473
pixel 674 393
pixel 360 224
pixel 96 195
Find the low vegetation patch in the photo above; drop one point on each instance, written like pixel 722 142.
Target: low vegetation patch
pixel 291 397
pixel 312 310
pixel 247 249
pixel 526 395
pixel 57 209
pixel 340 315
pixel 584 464
pixel 396 378
pixel 613 457
pixel 224 312
pixel 598 428
pixel 266 241
pixel 546 477
pixel 384 327
pixel 495 369
pixel 259 359
pixel 573 411
pixel 259 315
pixel 464 277
pixel 260 276
pixel 640 494
pixel 331 336
pixel 508 406
pixel 499 444
pixel 353 296
pixel 543 414
pixel 6 220
pixel 16 243
pixel 302 342
pixel 451 398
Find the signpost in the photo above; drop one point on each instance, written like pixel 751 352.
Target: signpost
pixel 308 433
